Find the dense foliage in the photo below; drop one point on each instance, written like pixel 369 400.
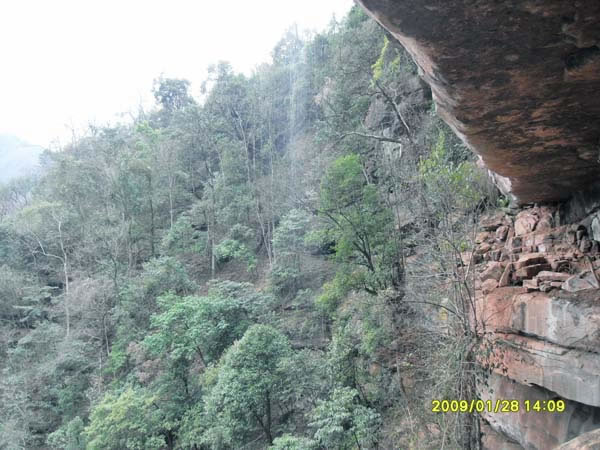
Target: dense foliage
pixel 242 269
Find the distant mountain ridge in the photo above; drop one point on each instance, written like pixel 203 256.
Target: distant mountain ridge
pixel 17 157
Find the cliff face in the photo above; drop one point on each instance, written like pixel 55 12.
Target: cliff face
pixel 538 302
pixel 518 81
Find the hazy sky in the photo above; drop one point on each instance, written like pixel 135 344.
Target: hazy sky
pixel 65 63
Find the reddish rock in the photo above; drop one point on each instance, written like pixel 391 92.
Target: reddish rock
pixel 490 222
pixel 505 278
pixel 501 233
pixel 493 440
pixel 545 275
pixel 529 259
pixel 493 271
pixel 545 223
pixel 531 285
pixel 469 258
pixel 482 237
pixel 488 286
pixel 525 223
pixel 553 317
pixel 483 248
pixel 530 271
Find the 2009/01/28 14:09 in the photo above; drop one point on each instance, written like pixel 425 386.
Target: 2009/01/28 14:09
pixel 497 406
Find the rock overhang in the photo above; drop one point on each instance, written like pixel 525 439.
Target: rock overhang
pixel 518 81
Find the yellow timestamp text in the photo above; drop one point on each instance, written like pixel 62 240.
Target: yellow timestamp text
pixel 497 406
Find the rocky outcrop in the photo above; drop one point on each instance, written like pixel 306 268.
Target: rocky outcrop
pixel 537 308
pixel 518 81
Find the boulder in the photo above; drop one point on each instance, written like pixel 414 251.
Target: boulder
pixel 491 222
pixel 531 285
pixel 482 237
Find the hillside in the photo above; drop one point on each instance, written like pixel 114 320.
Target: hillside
pixel 246 271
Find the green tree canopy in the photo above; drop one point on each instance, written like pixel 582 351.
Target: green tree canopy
pixel 251 386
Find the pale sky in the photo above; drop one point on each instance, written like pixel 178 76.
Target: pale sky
pixel 65 63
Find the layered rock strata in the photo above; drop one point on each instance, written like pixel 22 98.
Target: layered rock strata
pixel 518 81
pixel 537 304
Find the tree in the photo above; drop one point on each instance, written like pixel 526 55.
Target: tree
pixel 69 437
pixel 51 243
pixel 172 93
pixel 129 420
pixel 361 226
pixel 250 386
pixel 138 303
pixel 289 245
pixel 341 422
pixel 196 327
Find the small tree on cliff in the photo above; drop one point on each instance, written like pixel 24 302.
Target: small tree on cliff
pixel 361 226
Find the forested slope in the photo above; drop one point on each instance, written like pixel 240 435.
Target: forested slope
pixel 270 265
